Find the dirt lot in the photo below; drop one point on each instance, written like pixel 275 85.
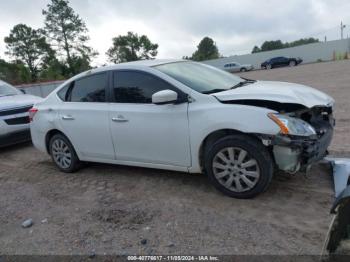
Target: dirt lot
pixel 122 210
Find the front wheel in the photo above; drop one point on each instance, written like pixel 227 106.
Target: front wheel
pixel 239 166
pixel 243 69
pixel 292 63
pixel 268 66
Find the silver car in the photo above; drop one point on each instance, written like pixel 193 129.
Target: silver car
pixel 14 115
pixel 236 67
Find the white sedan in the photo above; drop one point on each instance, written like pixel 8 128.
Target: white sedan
pixel 185 116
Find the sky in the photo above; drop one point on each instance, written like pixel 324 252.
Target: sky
pixel 178 25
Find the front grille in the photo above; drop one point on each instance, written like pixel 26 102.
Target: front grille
pixel 14 111
pixel 17 121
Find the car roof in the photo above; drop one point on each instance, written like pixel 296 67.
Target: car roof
pixel 129 65
pixel 137 64
pixel 150 62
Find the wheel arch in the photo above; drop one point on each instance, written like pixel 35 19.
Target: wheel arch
pixel 212 137
pixel 49 135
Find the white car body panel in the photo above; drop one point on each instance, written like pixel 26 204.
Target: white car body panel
pixel 9 102
pixel 207 117
pixel 94 138
pixel 278 91
pixel 153 129
pixel 162 136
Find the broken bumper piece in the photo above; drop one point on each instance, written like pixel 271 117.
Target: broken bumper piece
pixel 341 174
pixel 293 154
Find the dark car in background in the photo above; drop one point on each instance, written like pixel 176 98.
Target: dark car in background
pixel 280 61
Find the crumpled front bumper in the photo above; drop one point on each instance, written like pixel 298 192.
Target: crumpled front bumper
pixel 296 153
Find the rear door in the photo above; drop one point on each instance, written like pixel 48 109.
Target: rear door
pixel 84 117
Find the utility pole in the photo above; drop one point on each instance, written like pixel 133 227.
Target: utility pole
pixel 341 29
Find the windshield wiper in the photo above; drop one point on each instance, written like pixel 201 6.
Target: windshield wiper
pixel 249 80
pixel 242 83
pixel 214 91
pixel 7 95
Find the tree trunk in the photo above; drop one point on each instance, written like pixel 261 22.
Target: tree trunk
pixel 33 70
pixel 69 59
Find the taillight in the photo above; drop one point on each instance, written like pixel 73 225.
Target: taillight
pixel 32 113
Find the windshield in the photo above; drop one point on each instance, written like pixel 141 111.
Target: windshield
pixel 202 78
pixel 7 90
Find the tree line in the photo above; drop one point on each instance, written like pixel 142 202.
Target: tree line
pixel 278 44
pixel 60 48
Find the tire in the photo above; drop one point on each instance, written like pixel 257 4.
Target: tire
pixel 292 63
pixel 243 69
pixel 63 154
pixel 268 66
pixel 253 171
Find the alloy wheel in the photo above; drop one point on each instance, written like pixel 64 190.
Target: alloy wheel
pixel 235 169
pixel 61 153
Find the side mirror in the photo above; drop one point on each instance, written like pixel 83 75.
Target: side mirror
pixel 164 97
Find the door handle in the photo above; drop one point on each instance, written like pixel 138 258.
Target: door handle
pixel 119 119
pixel 67 117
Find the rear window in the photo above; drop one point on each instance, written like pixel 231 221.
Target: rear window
pixel 63 92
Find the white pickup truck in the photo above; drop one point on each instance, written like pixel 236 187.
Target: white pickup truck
pixel 14 116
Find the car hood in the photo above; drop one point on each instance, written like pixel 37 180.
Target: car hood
pixel 8 102
pixel 281 92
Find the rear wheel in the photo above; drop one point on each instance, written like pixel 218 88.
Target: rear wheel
pixel 239 166
pixel 63 154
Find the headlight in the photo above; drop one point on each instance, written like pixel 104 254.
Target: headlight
pixel 292 126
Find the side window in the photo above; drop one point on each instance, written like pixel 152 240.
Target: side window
pixel 89 89
pixel 137 87
pixel 63 92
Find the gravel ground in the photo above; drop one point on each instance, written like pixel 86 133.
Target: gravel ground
pixel 107 209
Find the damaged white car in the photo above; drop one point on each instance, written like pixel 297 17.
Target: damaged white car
pixel 185 116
